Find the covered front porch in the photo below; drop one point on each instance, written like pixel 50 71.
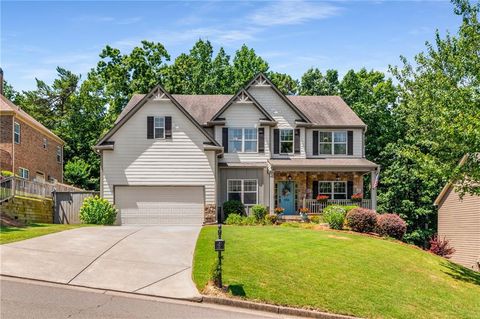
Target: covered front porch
pixel 297 183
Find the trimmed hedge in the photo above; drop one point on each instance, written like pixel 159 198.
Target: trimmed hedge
pixel 233 207
pixel 362 220
pixel 391 225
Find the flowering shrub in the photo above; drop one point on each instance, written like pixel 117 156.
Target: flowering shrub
pixel 322 198
pixel 357 197
pixel 441 247
pixel 96 210
pixel 279 210
pixel 362 220
pixel 334 215
pixel 391 225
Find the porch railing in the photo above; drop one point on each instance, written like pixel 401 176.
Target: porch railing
pixel 16 186
pixel 317 207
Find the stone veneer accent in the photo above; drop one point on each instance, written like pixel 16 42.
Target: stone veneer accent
pixel 210 214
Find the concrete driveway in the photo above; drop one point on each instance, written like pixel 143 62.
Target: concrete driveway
pixel 153 260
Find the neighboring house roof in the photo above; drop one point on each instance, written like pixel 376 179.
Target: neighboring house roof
pixel 327 111
pixel 318 163
pixel 138 100
pixel 445 189
pixel 8 108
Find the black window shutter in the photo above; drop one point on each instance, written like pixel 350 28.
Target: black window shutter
pixel 296 141
pixel 261 140
pixel 168 127
pixel 349 189
pixel 315 189
pixel 350 142
pixel 225 139
pixel 149 127
pixel 315 142
pixel 276 141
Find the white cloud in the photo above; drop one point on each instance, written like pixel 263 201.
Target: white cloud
pixel 292 12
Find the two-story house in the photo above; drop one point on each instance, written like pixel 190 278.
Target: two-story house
pixel 175 159
pixel 27 148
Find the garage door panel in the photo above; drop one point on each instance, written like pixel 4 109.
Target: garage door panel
pixel 160 205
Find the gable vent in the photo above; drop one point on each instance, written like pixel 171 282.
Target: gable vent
pixel 243 98
pixel 261 81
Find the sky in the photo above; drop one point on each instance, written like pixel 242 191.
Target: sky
pixel 293 36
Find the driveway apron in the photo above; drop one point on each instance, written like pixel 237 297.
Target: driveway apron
pixel 154 260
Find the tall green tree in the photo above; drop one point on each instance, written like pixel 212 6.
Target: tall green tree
pixel 284 82
pixel 313 82
pixel 439 119
pixel 247 64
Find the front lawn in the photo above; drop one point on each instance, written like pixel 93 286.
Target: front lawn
pixel 10 234
pixel 338 272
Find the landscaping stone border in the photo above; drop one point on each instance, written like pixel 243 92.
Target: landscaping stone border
pixel 281 310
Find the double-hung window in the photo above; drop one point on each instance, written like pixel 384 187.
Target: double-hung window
pixel 159 127
pixel 23 173
pixel 16 133
pixel 244 190
pixel 332 143
pixel 334 190
pixel 242 140
pixel 59 154
pixel 286 141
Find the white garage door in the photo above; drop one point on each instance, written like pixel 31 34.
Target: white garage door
pixel 160 205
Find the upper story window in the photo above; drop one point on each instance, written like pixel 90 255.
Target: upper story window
pixel 334 190
pixel 159 127
pixel 333 143
pixel 242 140
pixel 23 173
pixel 16 133
pixel 286 141
pixel 45 143
pixel 59 154
pixel 244 190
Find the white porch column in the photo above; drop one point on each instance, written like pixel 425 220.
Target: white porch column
pixel 373 189
pixel 271 175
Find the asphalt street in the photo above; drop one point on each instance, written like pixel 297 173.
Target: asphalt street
pixel 22 298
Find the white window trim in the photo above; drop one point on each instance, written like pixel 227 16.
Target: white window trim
pixel 332 185
pixel 242 191
pixel 332 143
pixel 280 141
pixel 155 127
pixel 22 172
pixel 59 155
pixel 244 139
pixel 15 125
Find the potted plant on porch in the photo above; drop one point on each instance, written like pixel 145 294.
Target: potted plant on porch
pixel 279 210
pixel 322 198
pixel 358 197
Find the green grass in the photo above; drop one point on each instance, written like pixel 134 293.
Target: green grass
pixel 11 234
pixel 338 272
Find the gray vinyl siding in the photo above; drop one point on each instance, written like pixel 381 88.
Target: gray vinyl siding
pixel 179 161
pixel 243 173
pixel 243 115
pixel 357 142
pixel 459 222
pixel 281 112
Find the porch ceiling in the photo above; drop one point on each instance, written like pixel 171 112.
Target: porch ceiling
pixel 324 164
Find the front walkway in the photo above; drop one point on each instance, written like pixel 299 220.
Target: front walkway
pixel 153 260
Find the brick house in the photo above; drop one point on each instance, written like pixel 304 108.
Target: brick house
pixel 28 148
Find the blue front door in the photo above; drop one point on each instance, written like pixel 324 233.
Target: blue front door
pixel 286 197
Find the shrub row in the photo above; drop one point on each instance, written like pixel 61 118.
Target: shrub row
pixel 364 220
pixel 235 219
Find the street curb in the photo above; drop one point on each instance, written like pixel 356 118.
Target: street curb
pixel 281 310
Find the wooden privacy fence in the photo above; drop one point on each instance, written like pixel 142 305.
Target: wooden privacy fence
pixel 67 206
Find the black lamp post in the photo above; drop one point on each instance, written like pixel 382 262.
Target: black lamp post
pixel 219 247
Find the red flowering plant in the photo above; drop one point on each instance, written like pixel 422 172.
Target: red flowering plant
pixel 279 210
pixel 322 198
pixel 304 210
pixel 357 197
